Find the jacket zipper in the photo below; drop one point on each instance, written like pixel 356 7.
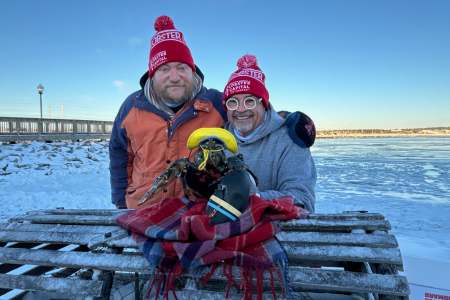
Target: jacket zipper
pixel 170 130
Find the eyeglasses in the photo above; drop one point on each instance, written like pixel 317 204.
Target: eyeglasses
pixel 249 102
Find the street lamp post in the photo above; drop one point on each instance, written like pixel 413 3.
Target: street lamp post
pixel 40 89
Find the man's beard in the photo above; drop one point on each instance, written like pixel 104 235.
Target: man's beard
pixel 171 102
pixel 246 126
pixel 243 127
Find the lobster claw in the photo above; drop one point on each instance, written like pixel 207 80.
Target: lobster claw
pixel 147 196
pixel 176 169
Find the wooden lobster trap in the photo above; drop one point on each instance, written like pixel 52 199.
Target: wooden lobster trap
pixel 83 254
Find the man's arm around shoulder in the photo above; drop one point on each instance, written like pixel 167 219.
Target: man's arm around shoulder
pixel 296 176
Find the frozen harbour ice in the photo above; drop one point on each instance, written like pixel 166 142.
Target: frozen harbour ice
pixel 406 179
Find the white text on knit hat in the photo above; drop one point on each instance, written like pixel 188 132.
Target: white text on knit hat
pixel 238 86
pixel 158 58
pixel 169 35
pixel 258 75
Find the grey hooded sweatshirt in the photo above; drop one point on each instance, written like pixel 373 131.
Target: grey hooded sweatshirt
pixel 282 167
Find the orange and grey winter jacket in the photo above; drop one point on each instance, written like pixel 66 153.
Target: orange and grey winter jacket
pixel 145 140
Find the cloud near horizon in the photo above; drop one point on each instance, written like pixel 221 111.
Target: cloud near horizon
pixel 119 84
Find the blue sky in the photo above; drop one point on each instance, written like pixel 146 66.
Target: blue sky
pixel 347 64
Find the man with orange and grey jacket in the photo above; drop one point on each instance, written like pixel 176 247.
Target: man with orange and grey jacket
pixel 153 124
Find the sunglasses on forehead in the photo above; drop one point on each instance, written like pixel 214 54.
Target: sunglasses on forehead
pixel 249 102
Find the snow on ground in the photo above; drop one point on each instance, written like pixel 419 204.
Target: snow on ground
pixel 406 179
pixel 48 175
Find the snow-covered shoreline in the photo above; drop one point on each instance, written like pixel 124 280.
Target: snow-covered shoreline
pixel 40 175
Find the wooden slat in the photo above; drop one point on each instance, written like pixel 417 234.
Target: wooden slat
pixel 335 225
pixel 122 262
pixel 111 212
pixel 296 225
pixel 347 216
pixel 79 237
pixel 103 261
pixel 107 239
pixel 333 280
pixel 126 242
pixel 212 295
pixel 56 228
pixel 315 279
pixel 48 237
pixel 306 238
pixel 298 254
pixel 343 239
pixel 67 219
pixel 62 286
pixel 85 212
pixel 78 234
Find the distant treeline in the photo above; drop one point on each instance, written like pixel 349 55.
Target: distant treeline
pixel 430 131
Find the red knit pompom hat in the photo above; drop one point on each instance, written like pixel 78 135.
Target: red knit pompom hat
pixel 168 45
pixel 247 79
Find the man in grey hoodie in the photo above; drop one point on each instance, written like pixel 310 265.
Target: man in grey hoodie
pixel 280 160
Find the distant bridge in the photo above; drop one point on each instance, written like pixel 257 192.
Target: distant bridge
pixel 36 129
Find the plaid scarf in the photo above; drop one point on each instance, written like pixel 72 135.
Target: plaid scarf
pixel 175 237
